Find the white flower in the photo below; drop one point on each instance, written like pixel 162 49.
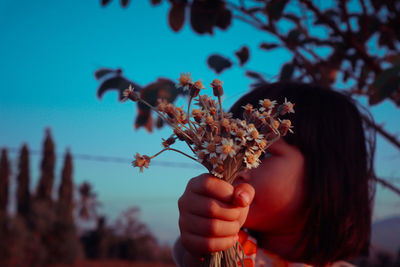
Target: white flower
pixel 185 80
pixel 253 134
pixel 210 149
pixel 251 160
pixel 266 104
pixel 217 174
pixel 127 92
pixel 227 148
pixel 287 107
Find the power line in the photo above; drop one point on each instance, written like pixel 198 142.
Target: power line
pixel 100 158
pixel 185 165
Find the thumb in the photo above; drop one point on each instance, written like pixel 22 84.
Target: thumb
pixel 243 194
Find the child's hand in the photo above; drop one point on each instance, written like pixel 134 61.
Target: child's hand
pixel 212 212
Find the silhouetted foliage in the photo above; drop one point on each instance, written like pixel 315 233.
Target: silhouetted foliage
pixel 111 80
pixel 23 179
pixel 218 63
pixel 43 232
pixel 46 181
pixel 65 193
pixel 328 45
pixel 4 180
pixel 87 205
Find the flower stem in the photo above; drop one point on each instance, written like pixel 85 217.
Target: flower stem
pixel 165 119
pixel 188 114
pixel 176 150
pixel 155 155
pixel 173 149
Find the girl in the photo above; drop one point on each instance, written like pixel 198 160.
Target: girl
pixel 309 201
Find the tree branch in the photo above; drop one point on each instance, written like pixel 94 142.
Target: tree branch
pixel 388 185
pixel 343 7
pixel 391 138
pixel 348 38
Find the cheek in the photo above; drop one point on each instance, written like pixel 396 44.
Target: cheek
pixel 279 194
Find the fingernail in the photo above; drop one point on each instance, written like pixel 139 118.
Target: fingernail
pixel 245 197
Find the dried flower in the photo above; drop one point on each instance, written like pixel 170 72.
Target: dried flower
pixel 284 127
pixel 130 94
pixel 199 84
pixel 210 148
pixel 168 142
pixel 185 80
pixel 251 160
pixel 286 107
pixel 141 161
pixel 248 108
pixel 197 115
pixel 217 87
pixel 224 145
pixel 227 148
pixel 194 89
pixel 267 104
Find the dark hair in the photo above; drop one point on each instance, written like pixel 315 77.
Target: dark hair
pixel 339 175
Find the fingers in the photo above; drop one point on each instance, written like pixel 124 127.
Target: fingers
pixel 243 194
pixel 208 227
pixel 207 207
pixel 211 186
pixel 201 245
pixel 211 213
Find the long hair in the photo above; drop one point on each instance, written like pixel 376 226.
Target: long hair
pixel 339 175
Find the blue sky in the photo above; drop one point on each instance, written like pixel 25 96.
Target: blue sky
pixel 49 52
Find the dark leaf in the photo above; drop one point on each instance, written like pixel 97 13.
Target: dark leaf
pixel 118 83
pixel 176 16
pixel 124 3
pixel 393 58
pixel 155 2
pixel 346 75
pixel 293 18
pixel 243 55
pixel 159 123
pixel 377 4
pixel 361 81
pixel 327 73
pixel 268 46
pixel 100 73
pixel 331 14
pixel 162 88
pixel 255 75
pixel 385 84
pixel 275 8
pixel 105 2
pixel 353 58
pixel 224 19
pixel 202 17
pixel 144 119
pixel 294 37
pixel 368 25
pixel 287 71
pixel 218 63
pixel 252 10
pixel 387 37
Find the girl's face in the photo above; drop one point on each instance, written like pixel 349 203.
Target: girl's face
pixel 278 205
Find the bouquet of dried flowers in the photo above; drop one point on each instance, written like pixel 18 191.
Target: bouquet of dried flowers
pixel 224 145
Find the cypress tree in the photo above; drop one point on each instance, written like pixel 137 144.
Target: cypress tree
pixel 65 193
pixel 4 180
pixel 47 169
pixel 23 179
